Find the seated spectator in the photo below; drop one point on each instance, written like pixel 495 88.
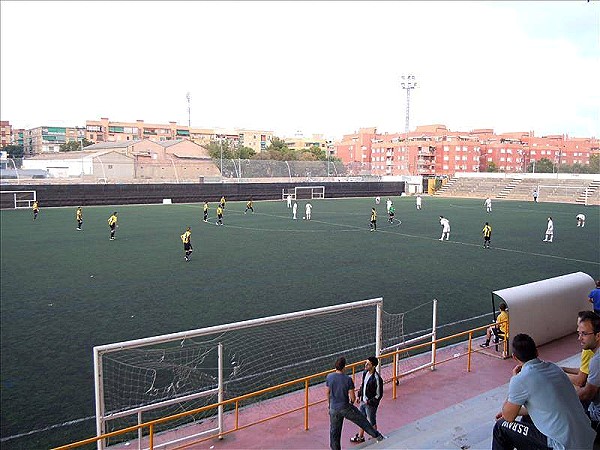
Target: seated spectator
pixel 578 375
pixel 589 337
pixel 594 297
pixel 499 330
pixel 541 390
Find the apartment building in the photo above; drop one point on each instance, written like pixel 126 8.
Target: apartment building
pixel 433 149
pixel 300 142
pixel 105 130
pixel 257 140
pixel 46 139
pixel 5 133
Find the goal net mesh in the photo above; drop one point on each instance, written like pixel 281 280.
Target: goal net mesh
pixel 253 359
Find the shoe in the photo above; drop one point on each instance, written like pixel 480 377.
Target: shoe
pixel 440 239
pixel 357 438
pixel 381 437
pixel 186 258
pixel 484 345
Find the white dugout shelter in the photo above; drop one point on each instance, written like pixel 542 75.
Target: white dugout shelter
pixel 547 310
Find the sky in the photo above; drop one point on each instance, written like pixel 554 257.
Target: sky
pixel 296 67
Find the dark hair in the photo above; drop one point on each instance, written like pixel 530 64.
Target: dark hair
pixel 503 306
pixel 373 360
pixel 340 363
pixel 593 318
pixel 598 283
pixel 524 348
pixel 586 315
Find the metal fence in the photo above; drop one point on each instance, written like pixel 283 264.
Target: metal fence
pixel 100 169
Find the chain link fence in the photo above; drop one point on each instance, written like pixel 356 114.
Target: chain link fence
pixel 100 169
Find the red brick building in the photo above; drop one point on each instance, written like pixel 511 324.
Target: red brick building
pixel 434 149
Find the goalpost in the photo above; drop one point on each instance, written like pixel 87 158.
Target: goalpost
pixel 304 192
pixel 17 199
pixel 581 190
pixel 144 379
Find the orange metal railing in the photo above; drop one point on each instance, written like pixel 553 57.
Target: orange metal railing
pixel 305 381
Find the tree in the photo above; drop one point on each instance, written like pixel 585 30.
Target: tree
pixel 14 151
pixel 279 151
pixel 594 166
pixel 75 146
pixel 492 167
pixel 544 165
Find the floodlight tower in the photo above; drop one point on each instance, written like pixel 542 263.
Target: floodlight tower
pixel 187 96
pixel 408 83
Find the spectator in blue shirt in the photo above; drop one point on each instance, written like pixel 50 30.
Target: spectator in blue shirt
pixel 594 297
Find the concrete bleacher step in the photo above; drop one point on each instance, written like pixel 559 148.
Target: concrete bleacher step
pixel 509 187
pixel 446 186
pixel 591 190
pixel 465 425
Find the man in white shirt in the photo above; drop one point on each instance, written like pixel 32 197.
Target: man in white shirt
pixel 580 220
pixel 294 210
pixel 549 231
pixel 418 202
pixel 445 223
pixel 289 200
pixel 307 211
pixel 388 204
pixel 488 205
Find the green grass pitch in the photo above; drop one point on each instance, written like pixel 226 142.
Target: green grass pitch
pixel 65 291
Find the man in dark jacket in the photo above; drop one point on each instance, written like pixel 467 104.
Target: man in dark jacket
pixel 369 395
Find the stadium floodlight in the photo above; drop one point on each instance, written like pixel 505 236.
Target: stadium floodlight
pixel 408 83
pixel 188 97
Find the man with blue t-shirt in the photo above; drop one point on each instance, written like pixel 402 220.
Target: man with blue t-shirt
pixel 541 390
pixel 341 398
pixel 594 297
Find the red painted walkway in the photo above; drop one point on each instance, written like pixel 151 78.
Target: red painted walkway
pixel 419 395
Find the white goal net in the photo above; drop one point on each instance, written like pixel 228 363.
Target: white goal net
pixel 17 199
pixel 154 377
pixel 304 192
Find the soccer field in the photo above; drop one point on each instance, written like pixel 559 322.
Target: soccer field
pixel 65 291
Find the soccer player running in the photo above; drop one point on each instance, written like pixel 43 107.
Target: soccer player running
pixel 222 202
pixel 219 215
pixel 391 213
pixel 79 217
pixel 487 235
pixel 112 224
pixel 205 211
pixel 186 238
pixel 36 209
pixel 249 206
pixel 373 222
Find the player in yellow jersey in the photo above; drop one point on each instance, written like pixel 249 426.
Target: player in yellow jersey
pixel 249 206
pixel 36 209
pixel 112 224
pixel 205 212
pixel 222 202
pixel 373 223
pixel 487 235
pixel 219 215
pixel 186 238
pixel 79 217
pixel 499 330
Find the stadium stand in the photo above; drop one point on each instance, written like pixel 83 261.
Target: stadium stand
pixel 555 189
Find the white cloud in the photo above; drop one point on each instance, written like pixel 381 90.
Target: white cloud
pixel 319 67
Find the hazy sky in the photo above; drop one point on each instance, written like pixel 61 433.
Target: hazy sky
pixel 315 67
